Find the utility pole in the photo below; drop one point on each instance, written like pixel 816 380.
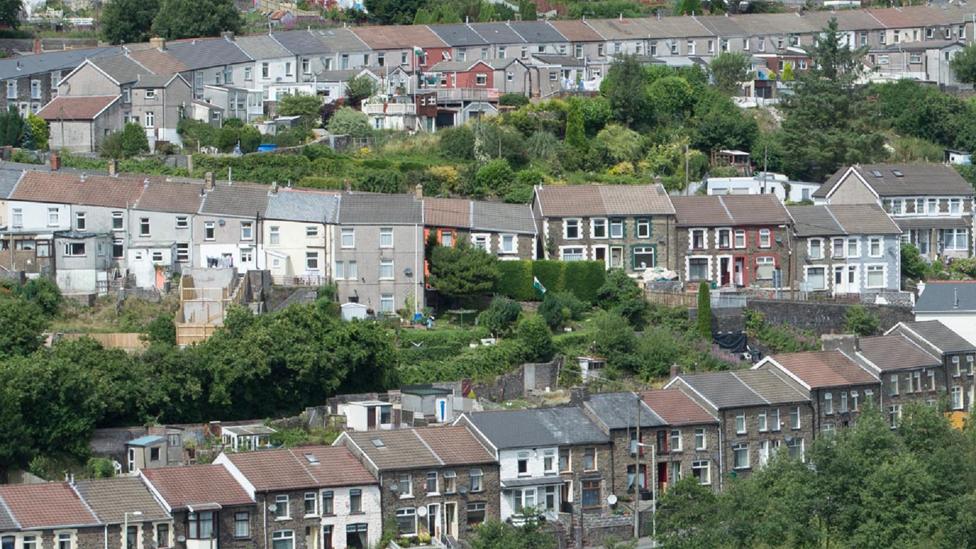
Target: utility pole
pixel 765 167
pixel 637 451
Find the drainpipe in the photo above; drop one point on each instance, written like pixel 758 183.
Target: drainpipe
pixel 264 516
pixel 105 537
pixel 721 451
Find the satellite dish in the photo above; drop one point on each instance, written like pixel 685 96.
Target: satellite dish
pixel 273 507
pixel 463 490
pixel 421 512
pixel 395 488
pixel 612 499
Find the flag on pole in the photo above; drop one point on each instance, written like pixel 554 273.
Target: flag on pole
pixel 538 285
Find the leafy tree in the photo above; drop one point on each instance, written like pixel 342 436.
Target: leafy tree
pixel 349 121
pixel 128 21
pixel 495 178
pixel 672 97
pixel 729 70
pixel 527 10
pixel 688 516
pixel 623 87
pixel 615 340
pixel 305 106
pixel 575 132
pixel 462 270
pixel 389 12
pixel 704 313
pixel 558 308
pixel 963 64
pixel 10 13
pixel 719 124
pixel 358 89
pixel 43 292
pixel 499 535
pixel 456 143
pixel 191 18
pixel 162 330
pixel 379 181
pixel 22 323
pixel 11 128
pixel 40 133
pixel 513 100
pixel 133 140
pixel 617 143
pixel 688 7
pixel 535 339
pixel 623 296
pixel 861 321
pixel 500 316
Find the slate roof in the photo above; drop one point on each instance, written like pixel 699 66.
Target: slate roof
pixel 590 200
pixel 562 426
pixel 560 60
pixel 340 40
pixel 153 81
pixel 26 65
pixel 460 66
pixel 237 199
pixel 371 209
pixel 923 45
pixel 159 62
pixel 291 469
pixel 721 25
pixel 76 108
pixel 814 221
pixel 501 217
pixel 498 33
pixel 722 210
pixel 263 46
pixel 111 498
pixel 309 206
pixel 455 445
pixel 121 68
pixel 676 408
pixel 398 37
pixel 420 448
pixel 618 29
pixel 66 188
pixel 619 411
pixel 458 34
pixel 741 388
pixel 537 32
pixel 47 505
pixel 930 222
pixel 916 180
pixel 820 369
pixel 181 487
pixel 842 219
pixel 202 53
pixel 8 180
pixel 937 297
pixel 942 337
pixel 895 352
pixel 847 20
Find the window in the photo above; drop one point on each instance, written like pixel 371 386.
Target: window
pixel 765 267
pixel 549 462
pixel 523 463
pixel 969 365
pixel 701 443
pixel 386 237
pixel 774 422
pixel 874 246
pixel 795 418
pixel 274 235
pixel 894 414
pixel 698 268
pixel 643 257
pixel 740 238
pixel 386 269
pixel 591 494
pixel 795 447
pixel 957 400
pixel 310 501
pixel 828 404
pixel 80 221
pixel 406 521
pixel 740 456
pixel 118 248
pixel 855 400
pixel 723 238
pixel 616 228
pixel 699 239
pixel 355 501
pixel 242 525
pixel 386 303
pixel 598 227
pixel 447 239
pixel 118 221
pixel 348 237
pixel 247 74
pixel 283 539
pixel 209 231
pixel 281 506
pixel 875 276
pixel 508 244
pixel 701 471
pixel 481 80
pixel 17 218
pixel 311 231
pixel 144 228
pixel 765 240
pixel 53 217
pixel 431 484
pixel 931 374
pixel 328 503
pixel 201 525
pixel 564 460
pixel 405 484
pixel 761 421
pixel 126 95
pixel 450 482
pixel 247 255
pixel 64 540
pixel 162 535
pixel 896 207
pixel 74 249
pixel 476 513
pixel 932 206
pixel 11 89
pixel 853 247
pixel 589 459
pixel 643 228
pixel 150 119
pixel 182 222
pixel 247 230
pixel 476 479
pixel 571 229
pixel 955 239
pixel 740 424
pixel 843 402
pixel 838 248
pixel 955 206
pixel 816 278
pixel 572 253
pixel 893 384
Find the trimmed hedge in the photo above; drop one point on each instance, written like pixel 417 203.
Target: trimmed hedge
pixel 581 278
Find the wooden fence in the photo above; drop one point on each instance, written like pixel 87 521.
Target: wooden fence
pixel 669 299
pixel 118 340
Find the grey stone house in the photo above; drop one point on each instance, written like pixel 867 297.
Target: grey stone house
pixel 689 443
pixel 227 232
pixel 627 227
pixel 958 358
pixel 378 251
pixel 209 507
pixel 836 384
pixel 116 502
pixel 310 497
pixel 931 203
pixel 846 249
pixel 505 230
pixel 436 480
pixel 31 81
pixel 760 413
pixel 160 236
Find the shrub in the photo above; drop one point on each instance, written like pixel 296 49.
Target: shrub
pixel 134 140
pixel 500 316
pixel 496 178
pixel 704 313
pixel 549 273
pixel 457 143
pixel 513 100
pixel 515 281
pixel 584 278
pixel 558 308
pixel 379 181
pixel 44 293
pixel 348 121
pixel 535 339
pixel 860 321
pixel 99 468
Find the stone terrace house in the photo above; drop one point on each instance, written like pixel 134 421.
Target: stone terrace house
pixel 759 413
pixel 957 355
pixel 626 226
pixel 31 81
pixel 115 502
pixel 47 515
pixel 846 249
pixel 908 372
pixel 298 235
pixel 378 251
pixel 80 124
pixel 208 506
pixel 836 384
pixel 162 236
pixel 228 228
pixel 616 414
pixel 438 480
pixel 931 203
pixel 311 497
pixel 503 230
pixel 688 444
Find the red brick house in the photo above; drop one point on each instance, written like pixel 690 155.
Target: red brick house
pixel 464 74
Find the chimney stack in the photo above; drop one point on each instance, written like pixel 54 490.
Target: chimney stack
pixel 38 48
pixel 675 371
pixel 55 162
pixel 274 187
pixel 228 35
pixel 418 191
pixel 846 343
pixel 113 167
pixel 209 182
pixel 158 42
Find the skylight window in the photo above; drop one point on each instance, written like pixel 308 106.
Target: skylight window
pixel 876 173
pixel 378 443
pixel 312 458
pixel 898 173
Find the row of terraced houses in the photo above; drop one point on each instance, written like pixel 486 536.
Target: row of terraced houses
pixel 585 468
pixel 430 76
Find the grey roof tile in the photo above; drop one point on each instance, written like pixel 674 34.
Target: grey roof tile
pixel 26 65
pixel 895 352
pixel 111 498
pixel 571 200
pixel 238 199
pixel 338 41
pixel 497 216
pixel 915 180
pixel 939 297
pixel 537 32
pixel 538 427
pixel 9 176
pixel 864 219
pixel 497 33
pixel 458 35
pixel 202 53
pixel 370 209
pixel 7 521
pixel 121 68
pixel 814 221
pixel 619 410
pixel 937 334
pixel 262 46
pixel 309 206
pixel 742 388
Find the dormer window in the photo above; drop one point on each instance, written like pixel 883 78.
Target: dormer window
pixel 126 95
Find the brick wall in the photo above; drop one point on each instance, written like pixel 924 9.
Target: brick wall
pixel 225 526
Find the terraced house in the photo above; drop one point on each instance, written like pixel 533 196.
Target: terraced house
pixel 627 227
pixel 689 443
pixel 504 230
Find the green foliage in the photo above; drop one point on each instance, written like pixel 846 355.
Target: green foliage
pixel 193 18
pixel 11 128
pixel 296 436
pixel 130 141
pixel 128 21
pixel 360 88
pixel 499 535
pixel 575 128
pixel 349 121
pixel 161 330
pixel 513 100
pixel 559 308
pixel 963 64
pixel 621 88
pixel 22 321
pixel 913 267
pixel 616 341
pixel 40 133
pixel 388 12
pixel 260 168
pixel 535 339
pixel 550 274
pixel 584 279
pixel 99 468
pixel 618 144
pixel 777 338
pixel 10 13
pixel 456 143
pixel 527 10
pixel 379 181
pixel 861 321
pixel 515 280
pixel 500 317
pixel 308 107
pixel 494 178
pixel 704 312
pixel 462 270
pixel 621 295
pixel 43 292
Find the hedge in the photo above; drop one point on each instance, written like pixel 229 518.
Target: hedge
pixel 582 278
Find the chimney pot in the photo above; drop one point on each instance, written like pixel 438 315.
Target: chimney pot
pixel 208 181
pixel 55 162
pixel 113 167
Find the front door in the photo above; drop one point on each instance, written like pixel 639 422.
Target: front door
pixel 739 271
pixel 311 537
pixel 725 268
pixel 371 417
pixel 600 254
pixel 616 257
pixel 662 477
pixel 450 516
pixel 434 520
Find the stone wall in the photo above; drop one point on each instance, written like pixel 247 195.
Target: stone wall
pixel 513 384
pixel 824 318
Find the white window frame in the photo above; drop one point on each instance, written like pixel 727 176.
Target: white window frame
pixel 616 229
pixel 875 240
pixel 384 265
pixel 744 447
pixel 247 230
pixel 564 249
pixel 505 249
pixel 691 239
pixel 349 232
pixel 643 227
pixel 282 507
pixel 740 424
pixel 765 235
pixel 702 465
pixel 701 438
pixel 578 222
pixel 828 404
pixel 806 275
pixel 386 237
pixel 735 239
pixel 212 228
pixel 873 268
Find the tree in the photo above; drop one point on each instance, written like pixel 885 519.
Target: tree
pixel 618 143
pixel 558 308
pixel 535 339
pixel 513 99
pixel 500 316
pixel 40 133
pixel 861 321
pixel 615 340
pixel 704 313
pixel 192 18
pixel 349 121
pixel 456 143
pixel 963 64
pixel 494 178
pixel 527 10
pixel 623 87
pixel 622 295
pixel 11 127
pixel 128 21
pixel 359 88
pixel 22 323
pixel 462 270
pixel 305 106
pixel 10 13
pixel 133 140
pixel 43 292
pixel 728 71
pixel 913 267
pixel 391 12
pixel 575 132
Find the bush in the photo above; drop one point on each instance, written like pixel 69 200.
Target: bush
pixel 134 140
pixel 860 321
pixel 535 339
pixel 348 121
pixel 513 100
pixel 515 281
pixel 584 278
pixel 777 339
pixel 43 292
pixel 549 273
pixel 494 178
pixel 99 468
pixel 379 181
pixel 162 330
pixel 457 143
pixel 558 308
pixel 704 312
pixel 500 316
